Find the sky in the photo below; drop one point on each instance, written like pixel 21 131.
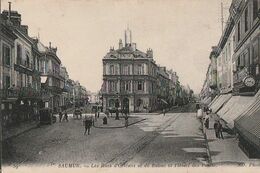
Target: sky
pixel 180 32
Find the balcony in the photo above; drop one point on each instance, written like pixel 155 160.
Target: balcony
pixel 54 74
pixel 252 70
pixel 24 92
pixel 29 92
pixel 9 93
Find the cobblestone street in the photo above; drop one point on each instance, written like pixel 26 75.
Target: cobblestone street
pixel 158 139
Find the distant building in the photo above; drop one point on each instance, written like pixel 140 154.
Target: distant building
pixel 129 77
pixel 163 93
pixel 51 79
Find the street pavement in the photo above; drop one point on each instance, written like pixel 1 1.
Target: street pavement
pixel 175 138
pixel 226 151
pixel 180 144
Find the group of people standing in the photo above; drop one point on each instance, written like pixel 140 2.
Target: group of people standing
pixel 125 113
pixel 217 125
pixel 218 129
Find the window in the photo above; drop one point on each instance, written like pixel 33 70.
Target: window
pixel 6 55
pixel 18 54
pixel 238 31
pixel 246 19
pixel 111 103
pixel 27 63
pixel 140 85
pixel 140 69
pixel 111 86
pixel 246 59
pixel 111 69
pixel 255 9
pixel 126 69
pixel 7 82
pixel 238 62
pixel 127 86
pixel 255 51
pixel 242 60
pixel 139 102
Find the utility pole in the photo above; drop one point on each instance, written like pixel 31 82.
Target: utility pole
pixel 0 7
pixel 222 18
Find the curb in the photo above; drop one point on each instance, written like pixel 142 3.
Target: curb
pixel 113 127
pixel 207 145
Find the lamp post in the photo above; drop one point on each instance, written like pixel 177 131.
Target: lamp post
pixel 117 106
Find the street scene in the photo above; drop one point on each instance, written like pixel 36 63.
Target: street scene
pixel 87 85
pixel 158 140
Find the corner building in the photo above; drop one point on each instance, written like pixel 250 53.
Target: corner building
pixel 129 78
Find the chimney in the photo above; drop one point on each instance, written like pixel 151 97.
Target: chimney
pixel 120 44
pixel 149 53
pixel 49 44
pixel 134 46
pixel 9 12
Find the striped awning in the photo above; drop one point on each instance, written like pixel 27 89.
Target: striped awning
pixel 248 125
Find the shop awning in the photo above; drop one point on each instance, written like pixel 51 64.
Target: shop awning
pixel 212 102
pixel 206 101
pixel 219 102
pixel 248 125
pixel 234 108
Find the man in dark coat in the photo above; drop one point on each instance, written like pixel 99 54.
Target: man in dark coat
pixel 88 124
pixel 66 116
pixel 220 130
pixel 60 116
pixel 216 128
pixel 126 120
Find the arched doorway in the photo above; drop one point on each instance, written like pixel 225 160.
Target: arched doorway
pixel 111 103
pixel 126 104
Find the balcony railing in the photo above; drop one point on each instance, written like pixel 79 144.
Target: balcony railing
pixel 25 64
pixel 24 92
pixel 29 92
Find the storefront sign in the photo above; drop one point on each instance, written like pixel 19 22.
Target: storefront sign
pixel 249 81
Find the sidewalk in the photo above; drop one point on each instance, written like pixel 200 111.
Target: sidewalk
pixel 19 129
pixel 224 151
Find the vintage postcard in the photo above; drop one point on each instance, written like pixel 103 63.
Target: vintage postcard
pixel 130 85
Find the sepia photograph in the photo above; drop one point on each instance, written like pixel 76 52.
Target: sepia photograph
pixel 129 85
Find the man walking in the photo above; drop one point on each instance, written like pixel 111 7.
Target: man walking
pixel 164 111
pixel 60 116
pixel 220 129
pixel 216 128
pixel 87 123
pixel 126 117
pixel 66 116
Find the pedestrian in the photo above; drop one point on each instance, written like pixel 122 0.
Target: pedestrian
pixel 60 116
pixel 107 113
pixel 117 114
pixel 98 111
pixel 207 123
pixel 126 120
pixel 66 116
pixel 164 111
pixel 96 114
pixel 216 129
pixel 87 123
pixel 220 130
